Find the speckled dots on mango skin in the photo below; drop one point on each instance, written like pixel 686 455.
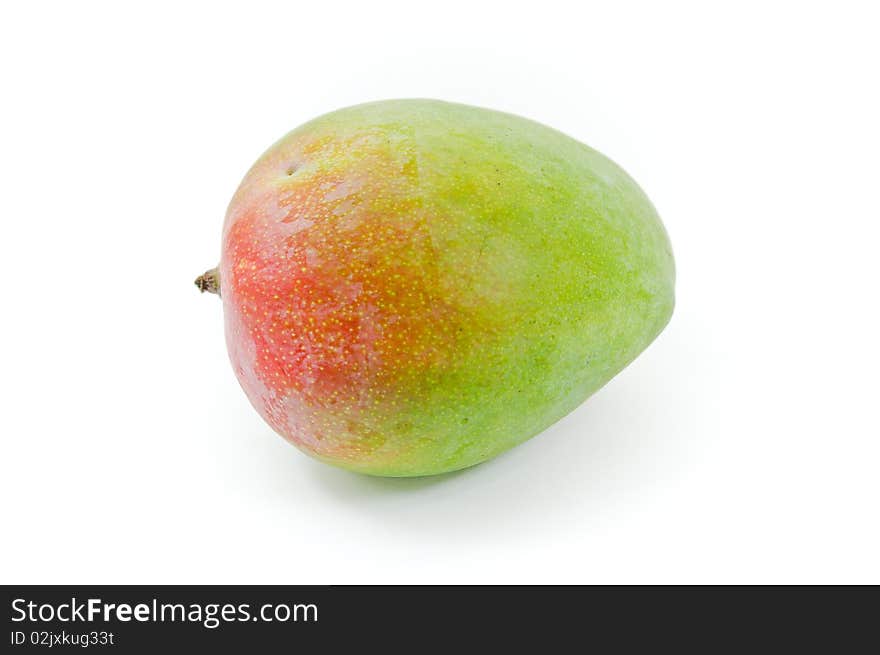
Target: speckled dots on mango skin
pixel 412 287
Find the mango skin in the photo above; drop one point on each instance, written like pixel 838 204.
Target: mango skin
pixel 412 287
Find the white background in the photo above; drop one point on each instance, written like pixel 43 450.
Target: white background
pixel 742 446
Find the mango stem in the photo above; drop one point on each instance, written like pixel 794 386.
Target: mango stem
pixel 209 281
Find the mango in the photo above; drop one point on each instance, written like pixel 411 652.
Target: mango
pixel 411 287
